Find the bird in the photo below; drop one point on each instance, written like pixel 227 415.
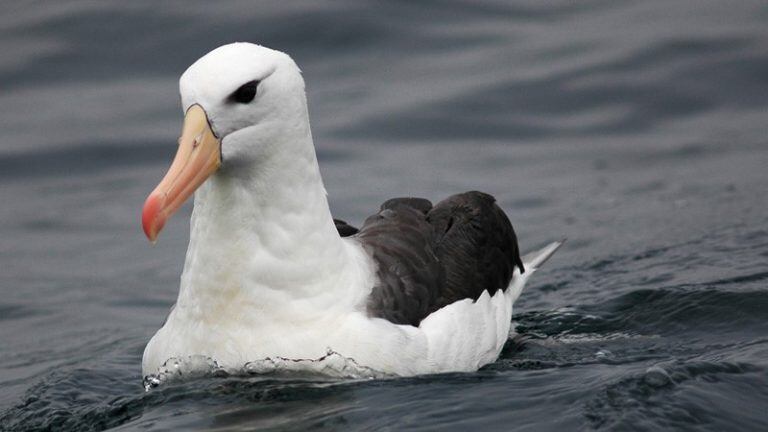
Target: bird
pixel 269 273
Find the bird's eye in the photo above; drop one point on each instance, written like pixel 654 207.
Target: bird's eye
pixel 245 93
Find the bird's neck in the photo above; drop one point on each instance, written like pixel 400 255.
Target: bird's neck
pixel 262 237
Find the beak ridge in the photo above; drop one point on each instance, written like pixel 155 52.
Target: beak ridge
pixel 198 157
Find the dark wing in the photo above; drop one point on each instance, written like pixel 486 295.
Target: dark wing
pixel 400 239
pixel 429 257
pixel 344 229
pixel 476 245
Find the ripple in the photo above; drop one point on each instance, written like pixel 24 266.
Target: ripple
pixel 660 397
pixel 330 365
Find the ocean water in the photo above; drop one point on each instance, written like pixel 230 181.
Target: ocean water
pixel 638 130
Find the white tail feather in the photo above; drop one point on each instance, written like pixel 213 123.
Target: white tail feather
pixel 534 260
pixel 531 261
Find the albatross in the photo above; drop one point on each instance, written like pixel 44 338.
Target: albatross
pixel 269 273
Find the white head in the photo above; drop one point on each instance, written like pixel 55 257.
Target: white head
pixel 244 106
pixel 243 86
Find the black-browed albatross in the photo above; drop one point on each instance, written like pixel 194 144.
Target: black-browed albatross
pixel 419 288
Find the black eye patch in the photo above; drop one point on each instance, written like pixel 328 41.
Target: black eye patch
pixel 245 93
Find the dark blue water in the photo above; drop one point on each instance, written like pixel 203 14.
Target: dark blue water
pixel 639 130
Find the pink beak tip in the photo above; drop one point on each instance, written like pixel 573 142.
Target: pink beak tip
pixel 149 217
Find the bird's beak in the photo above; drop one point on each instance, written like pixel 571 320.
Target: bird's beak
pixel 198 157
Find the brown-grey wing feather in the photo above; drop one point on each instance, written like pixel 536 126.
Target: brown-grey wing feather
pixel 476 245
pixel 399 239
pixel 429 257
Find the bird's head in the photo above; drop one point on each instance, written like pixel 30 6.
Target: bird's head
pixel 237 99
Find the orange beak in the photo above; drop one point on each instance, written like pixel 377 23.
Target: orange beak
pixel 198 157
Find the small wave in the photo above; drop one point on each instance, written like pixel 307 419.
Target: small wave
pixel 660 395
pixel 176 368
pixel 667 311
pixel 568 339
pixel 330 365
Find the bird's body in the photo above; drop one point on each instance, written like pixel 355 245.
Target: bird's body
pixel 419 289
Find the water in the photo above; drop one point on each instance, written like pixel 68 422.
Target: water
pixel 637 130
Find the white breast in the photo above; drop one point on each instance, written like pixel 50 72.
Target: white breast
pixel 462 336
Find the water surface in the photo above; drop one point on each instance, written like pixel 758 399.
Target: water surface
pixel 636 130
